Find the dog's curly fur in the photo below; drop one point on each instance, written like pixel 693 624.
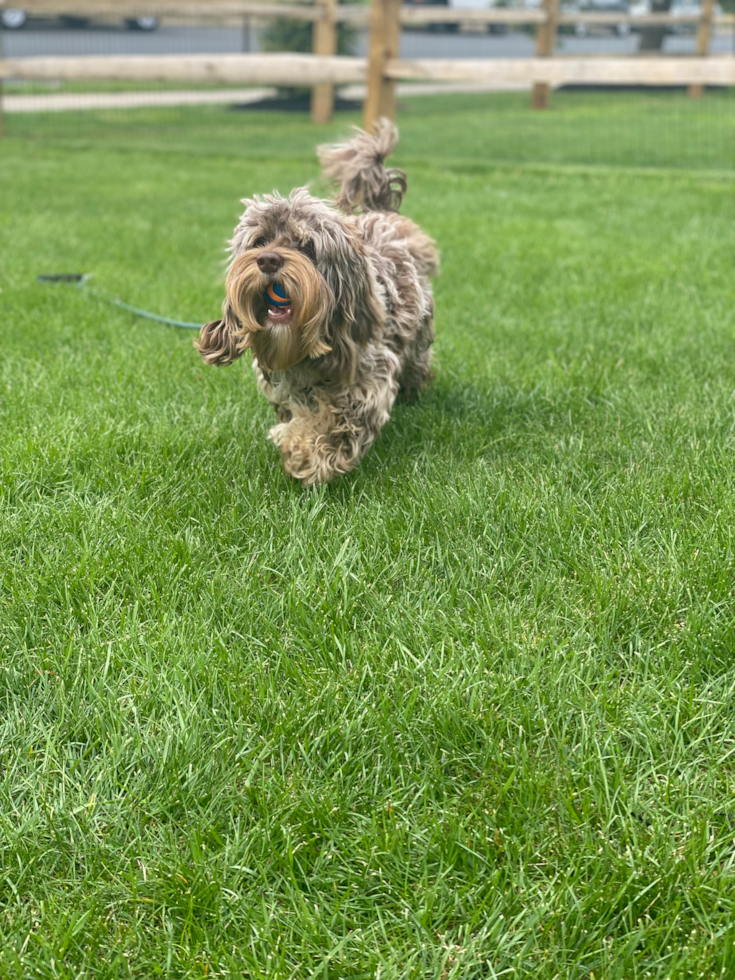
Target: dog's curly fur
pixel 361 326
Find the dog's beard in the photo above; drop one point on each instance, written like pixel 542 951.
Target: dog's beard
pixel 280 340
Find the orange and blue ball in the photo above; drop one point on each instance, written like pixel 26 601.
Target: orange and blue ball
pixel 275 295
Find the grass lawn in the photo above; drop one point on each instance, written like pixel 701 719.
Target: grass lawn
pixel 650 129
pixel 467 713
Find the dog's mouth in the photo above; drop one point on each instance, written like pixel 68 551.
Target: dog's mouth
pixel 278 303
pixel 280 314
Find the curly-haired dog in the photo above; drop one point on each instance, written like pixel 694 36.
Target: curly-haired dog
pixel 355 327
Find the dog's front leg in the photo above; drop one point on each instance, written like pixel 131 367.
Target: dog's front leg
pixel 329 437
pixel 277 395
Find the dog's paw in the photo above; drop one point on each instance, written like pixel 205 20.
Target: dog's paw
pixel 309 456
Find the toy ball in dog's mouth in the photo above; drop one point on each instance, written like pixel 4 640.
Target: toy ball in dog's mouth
pixel 280 307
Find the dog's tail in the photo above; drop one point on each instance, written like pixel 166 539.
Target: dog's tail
pixel 358 167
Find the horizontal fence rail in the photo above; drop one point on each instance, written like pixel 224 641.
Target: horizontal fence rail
pixel 200 11
pixel 215 10
pixel 504 15
pixel 255 69
pixel 308 69
pixel 713 70
pixel 324 69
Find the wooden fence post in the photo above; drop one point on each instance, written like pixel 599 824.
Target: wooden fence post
pixel 325 42
pixel 704 34
pixel 545 44
pixel 385 37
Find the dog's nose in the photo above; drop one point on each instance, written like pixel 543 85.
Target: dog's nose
pixel 269 262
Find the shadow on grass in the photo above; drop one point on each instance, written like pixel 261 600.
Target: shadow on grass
pixel 451 424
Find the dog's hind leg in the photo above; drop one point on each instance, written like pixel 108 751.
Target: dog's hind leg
pixel 416 369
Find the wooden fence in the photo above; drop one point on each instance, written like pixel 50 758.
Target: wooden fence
pixel 324 69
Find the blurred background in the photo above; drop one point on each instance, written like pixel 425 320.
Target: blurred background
pixel 631 125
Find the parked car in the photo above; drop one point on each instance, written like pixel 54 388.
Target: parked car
pixel 603 7
pixel 460 5
pixel 418 4
pixel 639 8
pixel 14 18
pixel 483 5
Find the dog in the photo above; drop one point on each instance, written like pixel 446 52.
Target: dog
pixel 334 301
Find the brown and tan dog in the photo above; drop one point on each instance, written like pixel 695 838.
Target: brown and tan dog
pixel 358 325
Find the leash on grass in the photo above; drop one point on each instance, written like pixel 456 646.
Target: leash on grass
pixel 80 279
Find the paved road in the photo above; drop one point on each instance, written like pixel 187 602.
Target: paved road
pixel 49 39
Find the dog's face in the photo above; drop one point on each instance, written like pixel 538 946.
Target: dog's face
pixel 315 255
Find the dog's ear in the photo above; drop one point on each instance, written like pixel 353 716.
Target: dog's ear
pixel 359 311
pixel 359 308
pixel 363 309
pixel 222 341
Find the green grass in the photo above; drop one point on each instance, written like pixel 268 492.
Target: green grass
pixel 467 713
pixel 647 129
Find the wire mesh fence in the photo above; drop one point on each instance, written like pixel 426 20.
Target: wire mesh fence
pixel 482 122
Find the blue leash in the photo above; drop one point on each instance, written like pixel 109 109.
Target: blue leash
pixel 80 278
